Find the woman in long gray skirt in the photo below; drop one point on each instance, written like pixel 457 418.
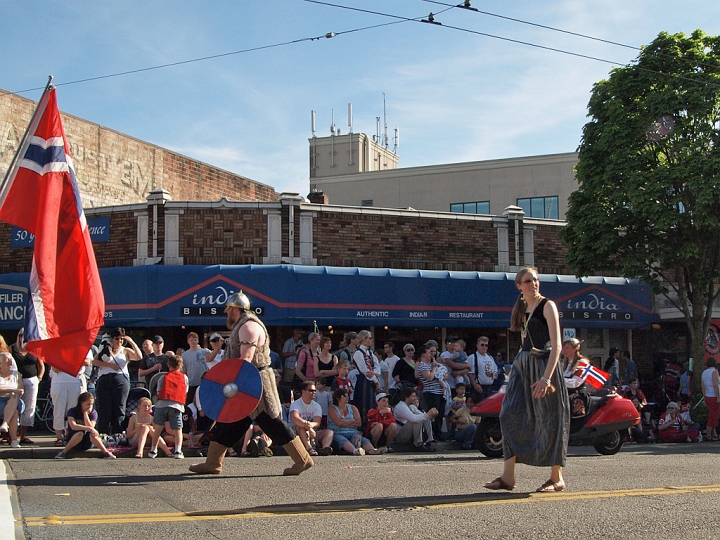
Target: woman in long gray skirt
pixel 535 415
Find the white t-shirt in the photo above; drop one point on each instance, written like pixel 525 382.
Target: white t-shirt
pixel 391 361
pixel 11 383
pixel 486 364
pixel 450 380
pixel 307 411
pixel 706 379
pixel 120 359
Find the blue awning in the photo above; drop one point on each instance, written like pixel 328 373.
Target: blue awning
pixel 287 295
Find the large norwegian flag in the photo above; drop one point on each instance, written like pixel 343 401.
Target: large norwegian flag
pixel 39 194
pixel 597 378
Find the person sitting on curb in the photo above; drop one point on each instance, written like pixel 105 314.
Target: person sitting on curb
pixel 306 416
pixel 344 421
pixel 415 425
pixel 465 424
pixel 381 426
pixel 674 428
pixel 140 427
pixel 82 434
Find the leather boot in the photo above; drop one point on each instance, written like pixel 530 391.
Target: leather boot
pixel 303 461
pixel 213 463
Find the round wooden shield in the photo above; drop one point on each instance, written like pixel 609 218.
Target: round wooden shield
pixel 230 391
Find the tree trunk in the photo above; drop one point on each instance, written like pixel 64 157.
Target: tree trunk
pixel 698 331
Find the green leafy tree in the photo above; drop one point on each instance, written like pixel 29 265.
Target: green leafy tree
pixel 648 203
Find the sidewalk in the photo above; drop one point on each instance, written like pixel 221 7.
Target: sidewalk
pixel 44 448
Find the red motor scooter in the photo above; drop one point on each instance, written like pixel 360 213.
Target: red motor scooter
pixel 605 426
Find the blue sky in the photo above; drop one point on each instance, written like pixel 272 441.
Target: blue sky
pixel 455 96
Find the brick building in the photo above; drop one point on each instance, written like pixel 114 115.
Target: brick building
pixel 178 234
pixel 179 258
pixel 113 168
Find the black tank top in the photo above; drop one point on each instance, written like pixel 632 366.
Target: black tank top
pixel 325 366
pixel 537 329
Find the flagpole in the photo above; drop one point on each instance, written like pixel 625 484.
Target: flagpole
pixel 48 87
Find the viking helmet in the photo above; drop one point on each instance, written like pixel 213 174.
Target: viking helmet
pixel 238 300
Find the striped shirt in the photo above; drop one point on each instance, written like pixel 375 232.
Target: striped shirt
pixel 433 386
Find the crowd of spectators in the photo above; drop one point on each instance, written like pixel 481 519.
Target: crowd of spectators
pixel 358 399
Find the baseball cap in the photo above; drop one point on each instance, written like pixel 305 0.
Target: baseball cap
pixel 380 396
pixel 158 339
pixel 215 336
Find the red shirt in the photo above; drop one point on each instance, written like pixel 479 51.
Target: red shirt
pixel 173 387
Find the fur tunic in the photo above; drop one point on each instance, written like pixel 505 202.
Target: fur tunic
pixel 269 400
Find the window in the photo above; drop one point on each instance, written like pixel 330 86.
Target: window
pixel 367 202
pixel 540 207
pixel 481 207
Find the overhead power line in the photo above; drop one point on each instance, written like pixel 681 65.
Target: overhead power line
pixel 511 40
pixel 397 20
pixel 529 23
pixel 560 30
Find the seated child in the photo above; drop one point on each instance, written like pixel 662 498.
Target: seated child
pixel 81 432
pixel 458 402
pixel 465 424
pixel 140 425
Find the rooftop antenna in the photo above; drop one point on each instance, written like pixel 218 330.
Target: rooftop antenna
pixel 333 131
pixel 350 126
pixel 313 155
pixel 396 140
pixel 376 137
pixel 385 122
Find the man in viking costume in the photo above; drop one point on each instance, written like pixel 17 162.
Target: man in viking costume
pixel 249 341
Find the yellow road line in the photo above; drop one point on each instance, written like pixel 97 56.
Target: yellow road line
pixel 477 499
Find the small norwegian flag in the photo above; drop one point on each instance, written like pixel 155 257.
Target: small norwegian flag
pixel 597 378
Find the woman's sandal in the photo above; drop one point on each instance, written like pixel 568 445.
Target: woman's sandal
pixel 312 452
pixel 499 483
pixel 139 456
pixel 551 486
pixel 59 443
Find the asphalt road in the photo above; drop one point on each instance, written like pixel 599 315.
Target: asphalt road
pixel 651 491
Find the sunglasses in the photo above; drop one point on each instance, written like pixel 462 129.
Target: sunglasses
pixel 483 345
pixel 310 390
